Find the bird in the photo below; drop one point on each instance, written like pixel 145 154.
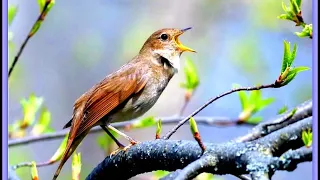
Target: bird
pixel 128 93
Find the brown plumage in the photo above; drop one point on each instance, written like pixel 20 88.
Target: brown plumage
pixel 129 92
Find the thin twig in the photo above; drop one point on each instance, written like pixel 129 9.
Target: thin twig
pixel 40 18
pixel 29 164
pixel 170 133
pixel 211 121
pixel 302 111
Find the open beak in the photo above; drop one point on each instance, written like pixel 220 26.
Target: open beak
pixel 179 44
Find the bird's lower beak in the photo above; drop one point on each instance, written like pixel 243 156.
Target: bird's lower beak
pixel 180 45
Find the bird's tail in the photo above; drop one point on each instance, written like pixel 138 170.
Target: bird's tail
pixel 71 147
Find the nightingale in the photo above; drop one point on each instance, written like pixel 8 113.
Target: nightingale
pixel 127 93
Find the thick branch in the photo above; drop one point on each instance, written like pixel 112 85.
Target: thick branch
pixel 172 155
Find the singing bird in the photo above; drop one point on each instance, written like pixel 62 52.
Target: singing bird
pixel 129 92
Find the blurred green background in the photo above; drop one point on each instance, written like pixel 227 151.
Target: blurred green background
pixel 80 42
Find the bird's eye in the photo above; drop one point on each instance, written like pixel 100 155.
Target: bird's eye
pixel 164 37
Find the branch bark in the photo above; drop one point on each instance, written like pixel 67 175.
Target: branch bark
pixel 242 157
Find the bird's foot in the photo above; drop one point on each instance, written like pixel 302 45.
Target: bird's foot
pixel 124 148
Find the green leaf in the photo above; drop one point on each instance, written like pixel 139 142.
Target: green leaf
pixel 286 56
pixel 12 11
pixel 306 32
pixel 159 128
pixel 283 110
pixel 254 120
pixel 284 16
pixel 41 4
pixel 243 97
pixel 160 174
pixel 307 138
pixel 58 154
pixel 292 74
pixel 30 107
pixel 284 7
pixel 205 176
pixel 255 96
pixel 295 6
pixel 264 103
pixel 191 75
pixel 293 54
pixel 193 126
pixel 76 166
pixel 299 2
pixel 299 69
pixel 43 122
pixel 146 122
pixel 34 171
pixel 52 2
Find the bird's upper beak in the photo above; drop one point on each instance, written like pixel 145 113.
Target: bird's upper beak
pixel 179 44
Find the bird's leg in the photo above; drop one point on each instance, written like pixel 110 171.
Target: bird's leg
pixel 131 140
pixel 112 137
pixel 121 147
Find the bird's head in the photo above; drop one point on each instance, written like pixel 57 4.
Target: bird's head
pixel 165 43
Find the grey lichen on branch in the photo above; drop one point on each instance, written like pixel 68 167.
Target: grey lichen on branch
pixel 263 154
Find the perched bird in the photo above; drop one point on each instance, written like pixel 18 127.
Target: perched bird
pixel 127 93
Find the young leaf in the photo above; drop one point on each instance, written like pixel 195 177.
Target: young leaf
pixel 30 107
pixel 43 122
pixel 295 6
pixel 160 174
pixel 205 176
pixel 58 154
pixel 34 171
pixel 192 79
pixel 283 110
pixel 307 138
pixel 284 16
pixel 146 122
pixel 76 166
pixel 255 96
pixel 193 126
pixel 292 74
pixel 306 32
pixel 293 54
pixel 243 97
pixel 41 4
pixel 159 128
pixel 299 2
pixel 254 120
pixel 12 11
pixel 264 103
pixel 286 56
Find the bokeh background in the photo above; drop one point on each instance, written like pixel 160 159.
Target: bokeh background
pixel 80 42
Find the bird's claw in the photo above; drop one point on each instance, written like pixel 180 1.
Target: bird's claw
pixel 124 148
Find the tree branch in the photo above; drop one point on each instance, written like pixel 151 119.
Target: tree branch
pixel 304 110
pixel 32 31
pixel 212 121
pixel 169 155
pixel 170 133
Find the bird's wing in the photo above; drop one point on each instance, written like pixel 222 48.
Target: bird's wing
pixel 106 96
